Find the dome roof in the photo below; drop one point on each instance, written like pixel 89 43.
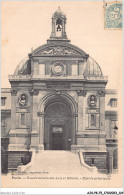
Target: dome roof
pixel 59 13
pixel 92 68
pixel 24 67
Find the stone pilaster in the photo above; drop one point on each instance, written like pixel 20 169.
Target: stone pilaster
pixel 74 129
pixel 81 95
pixel 13 108
pixel 41 131
pixel 102 109
pixel 110 161
pixel 35 125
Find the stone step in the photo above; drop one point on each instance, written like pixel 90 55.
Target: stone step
pixel 57 162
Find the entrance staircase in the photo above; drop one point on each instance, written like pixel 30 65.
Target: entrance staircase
pixel 57 162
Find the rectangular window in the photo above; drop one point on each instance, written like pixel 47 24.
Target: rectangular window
pixel 3 101
pixel 41 69
pixel 113 102
pixel 93 120
pixel 22 119
pixel 74 69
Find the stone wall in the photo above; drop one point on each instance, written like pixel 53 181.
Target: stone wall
pixel 97 159
pixel 16 158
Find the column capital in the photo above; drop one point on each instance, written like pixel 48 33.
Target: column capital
pixel 13 92
pixel 101 93
pixel 40 114
pixel 34 92
pixel 74 115
pixel 81 92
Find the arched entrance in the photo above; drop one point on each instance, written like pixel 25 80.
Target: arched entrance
pixel 57 125
pixel 57 114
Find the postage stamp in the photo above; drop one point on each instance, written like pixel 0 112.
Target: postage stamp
pixel 113 15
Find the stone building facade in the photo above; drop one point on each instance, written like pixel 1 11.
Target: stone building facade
pixel 59 101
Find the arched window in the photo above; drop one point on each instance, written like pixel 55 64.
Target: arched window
pixel 59 24
pixel 58 27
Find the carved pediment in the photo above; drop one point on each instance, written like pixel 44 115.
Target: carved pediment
pixel 58 50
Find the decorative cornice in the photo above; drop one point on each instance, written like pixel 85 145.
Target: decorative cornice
pixel 34 92
pixel 81 92
pixel 19 77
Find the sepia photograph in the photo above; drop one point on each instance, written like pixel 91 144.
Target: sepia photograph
pixel 61 94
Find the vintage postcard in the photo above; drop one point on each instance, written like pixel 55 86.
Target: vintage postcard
pixel 61 94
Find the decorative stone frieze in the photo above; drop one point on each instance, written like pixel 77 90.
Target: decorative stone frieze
pixel 58 50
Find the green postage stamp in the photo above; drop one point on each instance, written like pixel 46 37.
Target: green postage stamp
pixel 113 15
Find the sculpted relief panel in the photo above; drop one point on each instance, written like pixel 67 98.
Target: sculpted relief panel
pixel 58 50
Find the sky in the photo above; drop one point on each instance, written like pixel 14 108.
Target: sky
pixel 27 24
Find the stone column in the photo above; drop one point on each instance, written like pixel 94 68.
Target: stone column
pixel 34 132
pixel 63 28
pixel 41 131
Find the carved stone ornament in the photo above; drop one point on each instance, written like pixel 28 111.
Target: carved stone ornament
pixel 81 92
pixel 58 69
pixel 23 99
pixel 101 93
pixel 14 91
pixel 58 92
pixel 34 92
pixel 58 50
pixel 92 100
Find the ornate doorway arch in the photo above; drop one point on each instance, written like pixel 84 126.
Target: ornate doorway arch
pixel 58 125
pixel 57 121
